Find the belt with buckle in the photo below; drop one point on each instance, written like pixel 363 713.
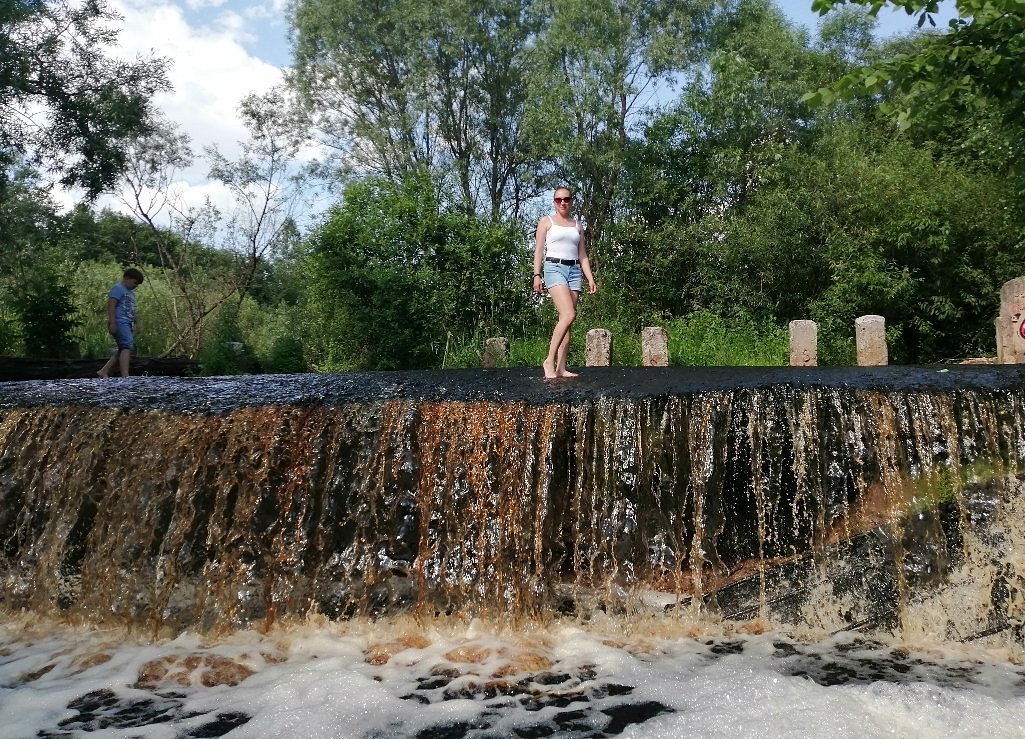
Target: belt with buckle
pixel 569 262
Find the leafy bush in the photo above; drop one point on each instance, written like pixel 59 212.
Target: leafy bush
pixel 224 352
pixel 9 338
pixel 272 333
pixel 393 274
pixel 44 304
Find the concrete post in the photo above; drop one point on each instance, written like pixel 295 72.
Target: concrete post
pixel 1010 324
pixel 496 351
pixel 654 347
pixel 870 338
pixel 804 344
pixel 598 349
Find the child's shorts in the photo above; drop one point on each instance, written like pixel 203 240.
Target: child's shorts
pixel 124 337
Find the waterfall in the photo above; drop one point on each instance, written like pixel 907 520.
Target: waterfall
pixel 882 498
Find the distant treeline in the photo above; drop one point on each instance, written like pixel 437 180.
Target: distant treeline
pixel 722 200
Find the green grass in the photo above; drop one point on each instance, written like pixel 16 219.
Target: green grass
pixel 701 339
pixel 704 339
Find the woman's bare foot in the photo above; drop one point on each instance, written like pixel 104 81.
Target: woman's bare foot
pixel 567 373
pixel 102 375
pixel 549 369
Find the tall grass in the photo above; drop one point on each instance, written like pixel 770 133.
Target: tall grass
pixel 708 340
pixel 700 339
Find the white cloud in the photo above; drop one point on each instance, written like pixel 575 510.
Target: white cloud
pixel 200 4
pixel 210 69
pixel 206 43
pixel 273 10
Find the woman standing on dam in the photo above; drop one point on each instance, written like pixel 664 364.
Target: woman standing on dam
pixel 560 248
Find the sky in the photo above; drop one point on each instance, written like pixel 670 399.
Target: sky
pixel 222 50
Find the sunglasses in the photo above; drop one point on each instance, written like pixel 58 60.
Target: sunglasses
pixel 564 200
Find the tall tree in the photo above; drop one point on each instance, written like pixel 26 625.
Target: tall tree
pixel 266 184
pixel 981 55
pixel 700 162
pixel 482 55
pixel 599 65
pixel 67 107
pixel 399 86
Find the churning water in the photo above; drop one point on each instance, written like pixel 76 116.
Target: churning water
pixel 640 552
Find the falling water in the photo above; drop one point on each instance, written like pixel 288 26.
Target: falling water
pixel 832 499
pixel 717 552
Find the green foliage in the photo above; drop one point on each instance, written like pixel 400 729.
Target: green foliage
pixel 528 351
pixel 402 86
pixel 286 355
pixel 67 106
pixel 109 236
pixel 224 351
pixel 271 331
pixel 880 227
pixel 978 58
pixel 43 304
pixel 35 275
pixel 784 212
pixel 703 160
pixel 392 275
pixel 594 65
pixel 9 337
pixel 705 339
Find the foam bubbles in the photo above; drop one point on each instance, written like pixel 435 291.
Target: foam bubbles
pixel 457 679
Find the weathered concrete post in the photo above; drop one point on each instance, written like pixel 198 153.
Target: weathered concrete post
pixel 496 351
pixel 1010 324
pixel 804 344
pixel 598 349
pixel 870 338
pixel 654 347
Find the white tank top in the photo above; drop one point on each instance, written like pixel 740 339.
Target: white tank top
pixel 562 242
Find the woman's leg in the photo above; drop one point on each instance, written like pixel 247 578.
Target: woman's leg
pixel 566 304
pixel 563 353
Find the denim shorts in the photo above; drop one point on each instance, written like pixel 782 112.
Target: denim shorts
pixel 124 337
pixel 563 274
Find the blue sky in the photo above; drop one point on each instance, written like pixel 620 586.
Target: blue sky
pixel 269 40
pixel 222 50
pixel 890 22
pixel 264 30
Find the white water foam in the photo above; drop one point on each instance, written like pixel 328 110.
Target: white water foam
pixel 364 681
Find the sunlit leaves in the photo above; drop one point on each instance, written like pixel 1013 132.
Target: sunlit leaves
pixel 399 86
pixel 980 55
pixel 65 105
pixel 394 275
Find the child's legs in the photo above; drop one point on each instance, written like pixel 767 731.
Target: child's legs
pixel 124 358
pixel 125 346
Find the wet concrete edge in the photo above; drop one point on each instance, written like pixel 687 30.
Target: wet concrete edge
pixel 523 384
